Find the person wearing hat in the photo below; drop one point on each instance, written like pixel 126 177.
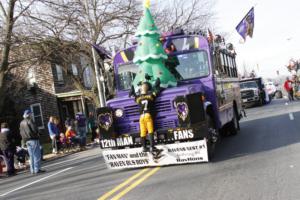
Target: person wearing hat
pixel 30 135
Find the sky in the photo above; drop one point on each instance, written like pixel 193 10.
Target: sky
pixel 275 34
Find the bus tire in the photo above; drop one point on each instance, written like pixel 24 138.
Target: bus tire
pixel 212 139
pixel 234 125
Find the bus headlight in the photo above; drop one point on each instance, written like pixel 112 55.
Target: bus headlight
pixel 119 112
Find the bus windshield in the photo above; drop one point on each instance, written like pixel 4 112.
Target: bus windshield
pixel 183 66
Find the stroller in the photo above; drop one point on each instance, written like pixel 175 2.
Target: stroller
pixel 3 162
pixel 22 155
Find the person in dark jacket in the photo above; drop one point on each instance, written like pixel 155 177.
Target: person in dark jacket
pixel 8 147
pixel 30 135
pixel 92 126
pixel 81 128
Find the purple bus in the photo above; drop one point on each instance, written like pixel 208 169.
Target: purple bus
pixel 205 103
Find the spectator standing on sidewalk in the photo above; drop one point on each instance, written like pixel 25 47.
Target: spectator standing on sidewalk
pixel 92 126
pixel 53 133
pixel 289 88
pixel 81 128
pixel 8 147
pixel 30 135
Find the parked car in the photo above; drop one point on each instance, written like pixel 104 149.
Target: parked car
pixel 271 88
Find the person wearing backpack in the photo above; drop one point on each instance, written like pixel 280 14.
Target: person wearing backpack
pixel 30 135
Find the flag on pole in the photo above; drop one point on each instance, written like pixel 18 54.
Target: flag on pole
pixel 102 52
pixel 246 26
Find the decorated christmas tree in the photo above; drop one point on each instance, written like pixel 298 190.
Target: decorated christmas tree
pixel 150 55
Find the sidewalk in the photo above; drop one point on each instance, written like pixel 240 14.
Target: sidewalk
pixel 52 157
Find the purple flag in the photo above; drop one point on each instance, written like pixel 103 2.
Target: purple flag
pixel 246 26
pixel 103 53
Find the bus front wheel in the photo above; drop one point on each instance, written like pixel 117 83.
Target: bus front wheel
pixel 234 125
pixel 213 137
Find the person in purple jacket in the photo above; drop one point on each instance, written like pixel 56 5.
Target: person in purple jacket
pixel 53 133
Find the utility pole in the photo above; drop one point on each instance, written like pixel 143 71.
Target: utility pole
pixel 99 76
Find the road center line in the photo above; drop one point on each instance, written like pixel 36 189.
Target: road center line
pixel 128 181
pixel 291 115
pixel 39 180
pixel 136 183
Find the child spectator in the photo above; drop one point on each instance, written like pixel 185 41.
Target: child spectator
pixel 71 136
pixel 63 142
pixel 62 138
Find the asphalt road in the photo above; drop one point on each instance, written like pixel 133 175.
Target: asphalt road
pixel 262 162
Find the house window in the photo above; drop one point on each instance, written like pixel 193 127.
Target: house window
pixel 74 70
pixel 31 76
pixel 88 77
pixel 59 73
pixel 37 115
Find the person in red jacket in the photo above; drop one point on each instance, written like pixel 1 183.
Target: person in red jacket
pixel 289 88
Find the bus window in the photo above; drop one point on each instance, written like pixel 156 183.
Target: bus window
pixel 217 64
pixel 183 66
pixel 231 66
pixel 223 62
pixel 192 65
pixel 227 65
pixel 126 74
pixel 235 67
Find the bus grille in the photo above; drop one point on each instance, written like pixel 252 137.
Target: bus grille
pixel 165 124
pixel 160 106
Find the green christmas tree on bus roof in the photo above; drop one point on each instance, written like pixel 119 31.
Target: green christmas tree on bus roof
pixel 150 55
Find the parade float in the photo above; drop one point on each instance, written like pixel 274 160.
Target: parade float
pixel 172 99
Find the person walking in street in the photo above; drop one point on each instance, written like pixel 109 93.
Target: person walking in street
pixel 92 126
pixel 53 133
pixel 289 88
pixel 8 147
pixel 81 128
pixel 30 135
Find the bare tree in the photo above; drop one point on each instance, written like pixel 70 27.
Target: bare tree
pixel 11 14
pixel 192 15
pixel 32 30
pixel 83 23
